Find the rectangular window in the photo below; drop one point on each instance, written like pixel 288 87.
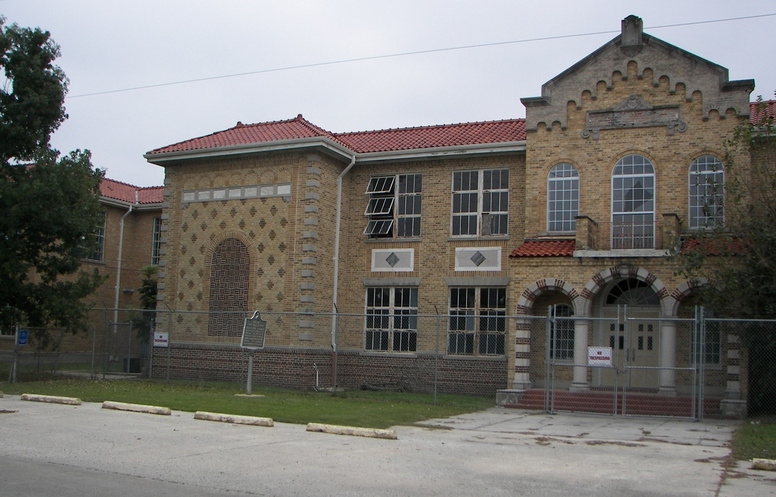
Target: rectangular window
pixel 391 319
pixel 480 202
pixel 394 206
pixel 98 254
pixel 712 344
pixel 562 332
pixel 477 321
pixel 156 242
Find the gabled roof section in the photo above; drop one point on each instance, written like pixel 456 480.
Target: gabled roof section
pixel 425 137
pixel 545 248
pixel 129 194
pixel 249 134
pixel 299 131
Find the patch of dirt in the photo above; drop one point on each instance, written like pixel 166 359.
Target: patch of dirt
pixel 621 444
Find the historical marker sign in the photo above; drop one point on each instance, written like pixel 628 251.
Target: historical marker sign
pixel 22 336
pixel 254 332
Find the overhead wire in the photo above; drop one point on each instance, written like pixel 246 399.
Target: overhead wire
pixel 405 54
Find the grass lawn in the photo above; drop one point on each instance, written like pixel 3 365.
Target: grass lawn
pixel 756 439
pixel 353 408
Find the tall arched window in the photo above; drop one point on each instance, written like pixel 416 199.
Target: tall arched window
pixel 707 192
pixel 633 203
pixel 562 198
pixel 229 270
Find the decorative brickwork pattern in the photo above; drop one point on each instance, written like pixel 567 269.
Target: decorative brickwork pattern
pixel 229 271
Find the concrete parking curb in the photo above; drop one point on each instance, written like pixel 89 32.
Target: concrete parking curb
pixel 765 464
pixel 352 431
pixel 232 418
pixel 52 399
pixel 121 406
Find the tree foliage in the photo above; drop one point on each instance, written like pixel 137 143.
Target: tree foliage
pixel 735 264
pixel 50 204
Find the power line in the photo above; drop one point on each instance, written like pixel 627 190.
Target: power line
pixel 407 54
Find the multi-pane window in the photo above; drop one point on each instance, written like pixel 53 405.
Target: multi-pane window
pixel 394 206
pixel 561 332
pixel 391 319
pixel 98 253
pixel 633 203
pixel 562 198
pixel 711 344
pixel 477 321
pixel 156 242
pixel 480 202
pixel 707 192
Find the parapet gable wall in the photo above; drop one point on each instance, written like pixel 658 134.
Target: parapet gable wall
pixel 660 102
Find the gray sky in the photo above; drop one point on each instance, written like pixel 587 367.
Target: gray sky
pixel 120 44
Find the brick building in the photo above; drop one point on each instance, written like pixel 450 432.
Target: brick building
pixel 569 211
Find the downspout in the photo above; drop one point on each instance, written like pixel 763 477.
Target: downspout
pixel 118 266
pixel 335 285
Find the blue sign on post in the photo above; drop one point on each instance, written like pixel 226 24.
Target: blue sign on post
pixel 21 337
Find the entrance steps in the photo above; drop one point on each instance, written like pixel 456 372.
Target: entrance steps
pixel 641 403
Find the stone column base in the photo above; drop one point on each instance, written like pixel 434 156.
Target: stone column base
pixel 733 409
pixel 667 391
pixel 509 398
pixel 579 387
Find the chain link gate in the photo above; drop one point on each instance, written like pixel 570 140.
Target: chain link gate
pixel 632 364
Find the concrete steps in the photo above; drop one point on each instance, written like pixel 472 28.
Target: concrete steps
pixel 603 402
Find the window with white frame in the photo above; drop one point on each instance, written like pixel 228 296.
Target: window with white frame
pixel 98 252
pixel 561 332
pixel 707 192
pixel 477 321
pixel 156 242
pixel 391 319
pixel 394 206
pixel 562 198
pixel 633 203
pixel 480 202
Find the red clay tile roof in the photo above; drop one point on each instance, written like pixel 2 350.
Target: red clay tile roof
pixel 131 194
pixel 545 248
pixel 246 134
pixel 758 110
pixel 446 135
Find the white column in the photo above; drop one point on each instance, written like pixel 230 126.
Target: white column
pixel 579 383
pixel 667 359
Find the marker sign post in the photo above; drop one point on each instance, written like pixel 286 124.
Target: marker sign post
pixel 253 337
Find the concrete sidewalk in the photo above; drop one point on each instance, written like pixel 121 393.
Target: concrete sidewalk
pixel 497 452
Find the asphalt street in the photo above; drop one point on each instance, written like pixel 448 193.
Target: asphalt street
pixel 52 449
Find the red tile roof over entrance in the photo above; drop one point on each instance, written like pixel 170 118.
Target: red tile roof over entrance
pixel 758 110
pixel 545 248
pixel 445 135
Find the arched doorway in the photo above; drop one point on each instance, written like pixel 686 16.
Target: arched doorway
pixel 628 311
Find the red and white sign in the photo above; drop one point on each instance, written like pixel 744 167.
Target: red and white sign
pixel 161 339
pixel 599 356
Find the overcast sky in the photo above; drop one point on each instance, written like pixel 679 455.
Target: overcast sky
pixel 109 46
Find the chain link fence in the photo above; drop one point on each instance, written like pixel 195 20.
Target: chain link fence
pixel 624 364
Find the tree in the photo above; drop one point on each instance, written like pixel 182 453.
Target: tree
pixel 147 291
pixel 50 204
pixel 735 265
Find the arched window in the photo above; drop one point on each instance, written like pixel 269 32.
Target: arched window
pixel 229 270
pixel 707 192
pixel 633 203
pixel 562 198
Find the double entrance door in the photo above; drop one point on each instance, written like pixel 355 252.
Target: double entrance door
pixel 634 340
